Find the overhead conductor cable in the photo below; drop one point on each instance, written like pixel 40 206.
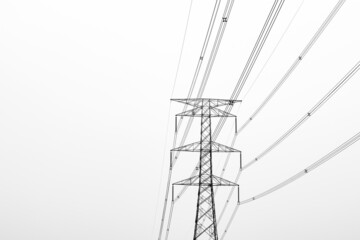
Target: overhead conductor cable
pixel 203 51
pixel 300 174
pixel 252 60
pixel 272 16
pixel 213 54
pixel 172 92
pixel 278 86
pixel 217 42
pixel 316 107
pixel 209 66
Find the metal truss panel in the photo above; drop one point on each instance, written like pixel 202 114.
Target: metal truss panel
pixel 196 112
pixel 216 181
pixel 192 147
pixel 212 102
pixel 217 147
pixel 196 147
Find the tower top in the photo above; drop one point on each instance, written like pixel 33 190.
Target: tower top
pixel 198 102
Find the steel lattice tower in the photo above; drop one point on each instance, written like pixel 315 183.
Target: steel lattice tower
pixel 205 221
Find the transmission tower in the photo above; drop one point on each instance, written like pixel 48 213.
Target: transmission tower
pixel 205 221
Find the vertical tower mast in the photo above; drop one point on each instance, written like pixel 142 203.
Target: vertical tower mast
pixel 205 221
pixel 205 203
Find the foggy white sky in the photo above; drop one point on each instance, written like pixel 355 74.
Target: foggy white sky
pixel 84 107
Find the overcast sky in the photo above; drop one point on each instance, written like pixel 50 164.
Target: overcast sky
pixel 85 126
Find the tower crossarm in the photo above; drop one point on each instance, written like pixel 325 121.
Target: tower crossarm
pixel 217 181
pixel 196 112
pixel 196 147
pixel 213 102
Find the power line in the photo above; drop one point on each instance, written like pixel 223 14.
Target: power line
pixel 272 16
pixel 216 45
pixel 286 76
pixel 273 51
pixel 313 110
pixel 206 109
pixel 182 48
pixel 316 107
pixel 169 110
pixel 205 45
pixel 257 77
pixel 203 51
pixel 250 63
pixel 295 64
pixel 169 220
pixel 300 174
pixel 252 58
pixel 239 86
pixel 215 49
pixel 217 42
pixel 257 48
pixel 306 49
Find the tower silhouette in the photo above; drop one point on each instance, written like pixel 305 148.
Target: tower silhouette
pixel 206 109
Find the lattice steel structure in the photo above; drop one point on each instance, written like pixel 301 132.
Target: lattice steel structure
pixel 205 108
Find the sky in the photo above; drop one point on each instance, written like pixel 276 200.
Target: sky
pixel 86 122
